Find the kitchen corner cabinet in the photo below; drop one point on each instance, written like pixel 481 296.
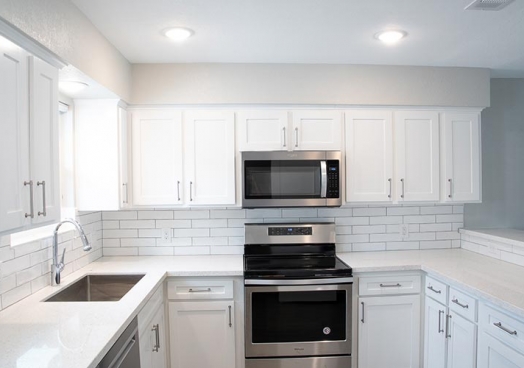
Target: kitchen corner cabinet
pixel 389 321
pixel 369 156
pixel 101 137
pixel 417 156
pixel 188 160
pixel 460 157
pixel 29 184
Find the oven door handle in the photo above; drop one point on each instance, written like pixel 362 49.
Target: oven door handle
pixel 284 282
pixel 323 179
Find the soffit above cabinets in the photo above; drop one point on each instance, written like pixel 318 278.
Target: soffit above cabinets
pixel 440 32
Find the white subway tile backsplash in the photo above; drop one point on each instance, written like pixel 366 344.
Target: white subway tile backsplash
pixel 422 219
pixel 368 247
pixel 209 223
pixel 335 212
pixel 137 224
pixel 421 236
pixel 191 233
pixel 192 251
pixel 210 241
pixel 438 244
pixel 158 251
pixel 379 238
pixel 360 238
pixel 229 249
pixel 155 215
pixel 369 229
pixel 228 214
pixel 352 221
pixel 309 212
pixel 15 265
pixel 450 218
pixel 15 295
pixel 28 274
pixel 401 211
pixel 119 215
pixel 137 242
pixel 110 224
pixel 435 227
pixel 191 215
pixel 263 213
pixel 124 233
pixel 173 224
pixel 228 231
pixel 436 210
pixel 406 245
pixel 241 222
pixel 385 220
pixel 343 230
pixel 120 251
pixel 372 211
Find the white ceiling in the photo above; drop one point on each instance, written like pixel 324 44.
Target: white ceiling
pixel 440 32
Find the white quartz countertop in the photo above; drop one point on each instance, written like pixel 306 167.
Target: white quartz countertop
pixel 77 335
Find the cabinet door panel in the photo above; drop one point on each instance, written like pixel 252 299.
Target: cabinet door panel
pixel 44 140
pixel 158 340
pixel 494 354
pixel 262 131
pixel 123 143
pixel 389 332
pixel 434 335
pixel 316 130
pixel 461 157
pixel 417 155
pixel 462 342
pixel 209 158
pixel 369 156
pixel 14 137
pixel 201 335
pixel 157 157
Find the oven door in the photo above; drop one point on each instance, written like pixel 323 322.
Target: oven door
pixel 302 320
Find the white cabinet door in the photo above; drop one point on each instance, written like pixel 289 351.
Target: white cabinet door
pixel 43 81
pixel 494 354
pixel 157 157
pixel 461 157
pixel 316 130
pixel 417 155
pixel 209 157
pixel 202 334
pixel 262 130
pixel 434 335
pixel 123 144
pixel 389 332
pixel 369 156
pixel 14 137
pixel 462 342
pixel 152 342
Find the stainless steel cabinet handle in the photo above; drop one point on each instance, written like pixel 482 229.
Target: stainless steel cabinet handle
pixel 284 134
pixel 44 211
pixel 362 320
pixel 499 325
pixel 157 337
pixel 208 290
pixel 450 188
pixel 126 200
pixel 402 181
pixel 230 322
pixel 178 189
pixel 388 286
pixel 31 203
pixel 191 191
pixel 434 290
pixel 296 137
pixel 440 313
pixel 448 319
pixel 389 195
pixel 460 304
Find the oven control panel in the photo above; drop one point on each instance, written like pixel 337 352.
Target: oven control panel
pixel 333 179
pixel 290 231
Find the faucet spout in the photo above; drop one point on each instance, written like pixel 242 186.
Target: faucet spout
pixel 58 266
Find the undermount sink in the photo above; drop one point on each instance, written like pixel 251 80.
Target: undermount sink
pixel 97 288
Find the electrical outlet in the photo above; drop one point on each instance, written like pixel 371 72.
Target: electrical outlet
pixel 404 231
pixel 166 234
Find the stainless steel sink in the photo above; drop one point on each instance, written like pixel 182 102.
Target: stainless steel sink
pixel 97 288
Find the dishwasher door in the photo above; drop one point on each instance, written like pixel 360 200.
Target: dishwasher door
pixel 125 353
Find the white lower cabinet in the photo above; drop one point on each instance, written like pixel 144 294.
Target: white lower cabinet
pixel 435 345
pixel 494 354
pixel 462 342
pixel 152 332
pixel 389 332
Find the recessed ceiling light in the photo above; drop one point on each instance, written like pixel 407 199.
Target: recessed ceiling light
pixel 390 37
pixel 71 87
pixel 178 34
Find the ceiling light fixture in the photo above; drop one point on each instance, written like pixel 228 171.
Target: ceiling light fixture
pixel 390 37
pixel 178 34
pixel 71 87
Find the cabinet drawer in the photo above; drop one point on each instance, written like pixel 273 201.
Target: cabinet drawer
pixel 507 329
pixel 462 304
pixel 200 289
pixel 384 285
pixel 436 290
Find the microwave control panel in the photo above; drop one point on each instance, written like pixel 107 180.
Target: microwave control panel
pixel 333 189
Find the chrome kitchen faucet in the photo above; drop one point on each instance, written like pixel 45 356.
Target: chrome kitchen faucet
pixel 57 267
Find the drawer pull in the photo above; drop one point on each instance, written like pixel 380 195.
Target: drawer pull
pixel 434 290
pixel 499 325
pixel 388 286
pixel 448 320
pixel 460 304
pixel 440 329
pixel 208 290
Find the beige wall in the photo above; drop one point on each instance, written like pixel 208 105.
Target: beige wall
pixel 309 84
pixel 61 27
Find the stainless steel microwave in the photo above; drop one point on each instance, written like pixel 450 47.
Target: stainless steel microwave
pixel 291 179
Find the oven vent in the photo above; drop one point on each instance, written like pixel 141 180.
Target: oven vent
pixel 493 5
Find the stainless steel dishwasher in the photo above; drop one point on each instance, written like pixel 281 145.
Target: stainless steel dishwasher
pixel 125 353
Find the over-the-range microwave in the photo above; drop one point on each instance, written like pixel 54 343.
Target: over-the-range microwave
pixel 291 179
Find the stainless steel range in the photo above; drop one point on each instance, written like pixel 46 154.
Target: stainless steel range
pixel 298 297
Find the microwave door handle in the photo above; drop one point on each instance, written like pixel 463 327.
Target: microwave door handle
pixel 323 179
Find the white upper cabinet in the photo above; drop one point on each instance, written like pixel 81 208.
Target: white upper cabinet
pixel 417 156
pixel 209 157
pixel 14 138
pixel 263 130
pixel 100 155
pixel 157 157
pixel 461 157
pixel 369 156
pixel 316 130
